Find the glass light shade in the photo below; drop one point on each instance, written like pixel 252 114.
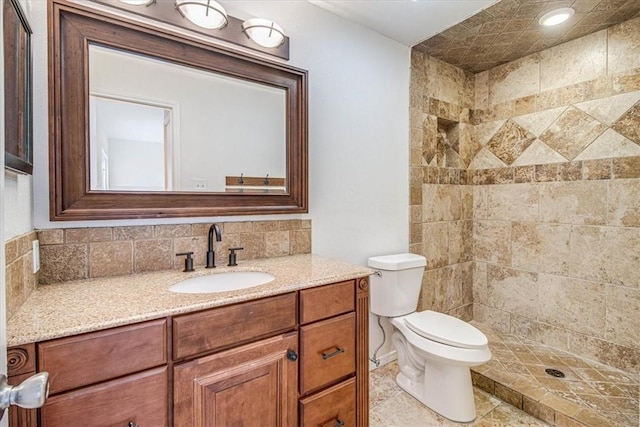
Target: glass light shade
pixel 204 13
pixel 264 32
pixel 557 16
pixel 138 2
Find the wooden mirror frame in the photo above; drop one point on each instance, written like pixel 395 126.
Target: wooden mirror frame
pixel 71 28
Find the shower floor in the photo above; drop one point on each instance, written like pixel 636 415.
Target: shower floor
pixel 590 394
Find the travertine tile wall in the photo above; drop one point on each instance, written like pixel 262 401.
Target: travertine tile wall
pixel 553 170
pixel 19 277
pixel 557 196
pixel 441 221
pixel 80 253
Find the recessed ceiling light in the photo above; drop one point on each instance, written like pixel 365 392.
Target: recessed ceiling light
pixel 557 16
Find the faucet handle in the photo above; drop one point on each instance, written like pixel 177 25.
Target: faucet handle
pixel 188 262
pixel 233 256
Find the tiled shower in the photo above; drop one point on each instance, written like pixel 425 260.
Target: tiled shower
pixel 525 194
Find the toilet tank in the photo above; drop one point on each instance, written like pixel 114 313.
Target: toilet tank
pixel 395 290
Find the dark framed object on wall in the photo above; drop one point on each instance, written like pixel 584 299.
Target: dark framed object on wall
pixel 18 154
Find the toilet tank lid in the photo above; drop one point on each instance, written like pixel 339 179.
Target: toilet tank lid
pixel 397 261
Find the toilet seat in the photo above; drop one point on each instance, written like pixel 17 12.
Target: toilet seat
pixel 445 329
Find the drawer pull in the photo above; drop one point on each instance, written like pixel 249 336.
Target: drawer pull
pixel 339 422
pixel 326 356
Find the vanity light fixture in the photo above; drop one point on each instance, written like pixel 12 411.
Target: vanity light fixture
pixel 209 18
pixel 204 13
pixel 264 32
pixel 138 2
pixel 557 16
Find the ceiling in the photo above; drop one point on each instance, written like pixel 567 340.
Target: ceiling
pixel 480 34
pixel 406 21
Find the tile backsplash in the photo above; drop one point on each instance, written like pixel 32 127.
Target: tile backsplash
pixel 81 253
pixel 19 276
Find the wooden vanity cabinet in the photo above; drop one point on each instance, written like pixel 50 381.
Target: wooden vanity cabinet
pixel 114 377
pixel 299 358
pixel 333 352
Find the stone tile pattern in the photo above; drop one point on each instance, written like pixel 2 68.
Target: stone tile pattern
pixel 80 253
pixel 390 406
pixel 508 29
pixel 441 220
pixel 19 277
pixel 591 394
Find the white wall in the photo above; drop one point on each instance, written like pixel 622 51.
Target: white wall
pixel 358 130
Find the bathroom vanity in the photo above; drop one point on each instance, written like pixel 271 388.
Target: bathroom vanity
pixel 292 352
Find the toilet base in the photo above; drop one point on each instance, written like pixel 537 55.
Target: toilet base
pixel 444 389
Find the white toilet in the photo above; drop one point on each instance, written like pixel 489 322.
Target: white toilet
pixel 435 350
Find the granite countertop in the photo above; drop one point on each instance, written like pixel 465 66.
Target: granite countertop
pixel 70 308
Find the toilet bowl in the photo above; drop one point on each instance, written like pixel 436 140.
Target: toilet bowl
pixel 435 350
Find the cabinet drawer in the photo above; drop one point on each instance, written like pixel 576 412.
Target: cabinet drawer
pixel 99 356
pixel 335 406
pixel 326 301
pixel 231 325
pixel 140 398
pixel 327 352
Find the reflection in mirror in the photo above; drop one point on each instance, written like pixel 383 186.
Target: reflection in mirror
pixel 160 126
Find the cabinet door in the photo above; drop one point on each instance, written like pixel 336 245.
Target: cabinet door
pixel 252 385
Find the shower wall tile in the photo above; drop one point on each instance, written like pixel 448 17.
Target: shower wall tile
pixel 515 291
pixel 624 203
pixel 512 202
pixel 544 333
pixel 497 319
pixel 580 202
pixel 623 316
pixel 605 254
pixel 492 241
pixel 541 247
pixel 577 61
pixel 441 203
pixel 479 274
pixel 435 244
pixel 619 356
pixel 460 241
pixel 574 304
pixel 624 47
pixel 513 80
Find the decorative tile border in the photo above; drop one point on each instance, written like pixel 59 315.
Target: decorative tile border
pixel 603 169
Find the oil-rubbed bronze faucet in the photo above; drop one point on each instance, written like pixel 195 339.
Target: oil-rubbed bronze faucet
pixel 211 255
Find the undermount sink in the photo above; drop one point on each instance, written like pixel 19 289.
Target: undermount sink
pixel 222 282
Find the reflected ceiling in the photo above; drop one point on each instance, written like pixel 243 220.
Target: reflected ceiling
pixel 509 30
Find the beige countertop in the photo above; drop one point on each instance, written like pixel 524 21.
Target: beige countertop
pixel 70 308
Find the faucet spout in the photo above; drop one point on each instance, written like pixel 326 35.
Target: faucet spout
pixel 211 255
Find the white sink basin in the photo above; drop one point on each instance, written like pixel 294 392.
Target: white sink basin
pixel 222 282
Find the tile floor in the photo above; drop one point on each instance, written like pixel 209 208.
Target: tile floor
pixel 590 394
pixel 392 407
pixel 513 390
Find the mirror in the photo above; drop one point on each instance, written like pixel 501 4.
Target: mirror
pixel 149 123
pixel 18 155
pixel 155 126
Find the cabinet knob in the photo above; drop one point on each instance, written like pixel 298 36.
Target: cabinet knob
pixel 132 424
pixel 292 355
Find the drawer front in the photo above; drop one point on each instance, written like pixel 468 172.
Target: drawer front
pixel 140 398
pixel 326 301
pixel 333 407
pixel 327 351
pixel 99 356
pixel 232 325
